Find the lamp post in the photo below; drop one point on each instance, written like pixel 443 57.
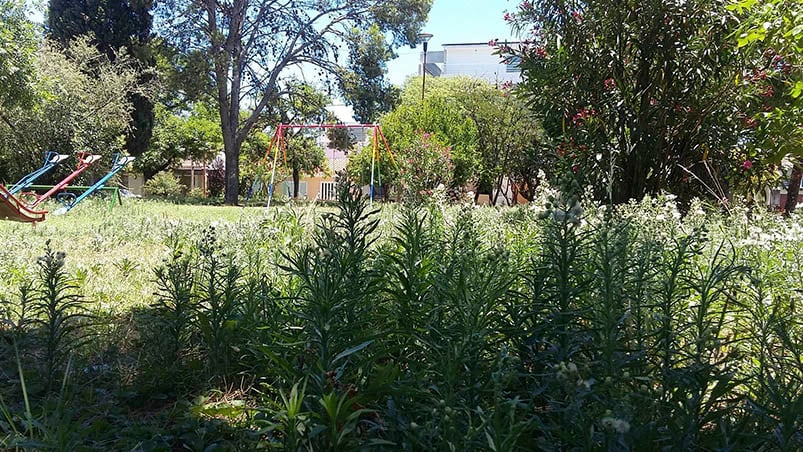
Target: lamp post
pixel 424 38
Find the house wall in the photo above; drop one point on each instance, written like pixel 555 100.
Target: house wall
pixel 134 182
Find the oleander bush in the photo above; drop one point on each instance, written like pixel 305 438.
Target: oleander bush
pixel 559 326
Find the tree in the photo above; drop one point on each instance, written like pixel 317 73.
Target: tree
pixel 492 136
pixel 635 93
pixel 72 110
pixel 303 105
pixel 440 115
pixel 177 137
pixel 254 48
pixel 509 141
pixel 18 43
pixel 113 25
pixel 771 38
pixel 363 84
pixel 304 156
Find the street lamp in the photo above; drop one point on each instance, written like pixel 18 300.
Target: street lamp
pixel 424 37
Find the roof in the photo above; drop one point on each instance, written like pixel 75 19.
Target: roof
pixel 467 44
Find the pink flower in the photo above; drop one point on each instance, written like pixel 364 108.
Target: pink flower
pixel 610 84
pixel 493 42
pixel 539 52
pixel 747 165
pixel 508 17
pixel 525 5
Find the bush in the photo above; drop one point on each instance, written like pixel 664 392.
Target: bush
pixel 165 185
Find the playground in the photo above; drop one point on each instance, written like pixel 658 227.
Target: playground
pixel 15 208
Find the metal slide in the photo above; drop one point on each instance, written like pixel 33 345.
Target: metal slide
pixel 13 210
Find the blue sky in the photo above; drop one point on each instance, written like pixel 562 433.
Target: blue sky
pixel 455 21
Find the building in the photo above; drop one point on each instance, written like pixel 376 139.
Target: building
pixel 471 59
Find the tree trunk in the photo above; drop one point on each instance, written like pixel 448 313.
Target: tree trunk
pixel 296 182
pixel 794 188
pixel 232 150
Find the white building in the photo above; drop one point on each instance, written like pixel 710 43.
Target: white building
pixel 473 60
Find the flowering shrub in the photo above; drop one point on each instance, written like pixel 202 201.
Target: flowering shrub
pixel 423 167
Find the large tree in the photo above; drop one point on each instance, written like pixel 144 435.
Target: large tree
pixel 635 92
pixel 80 105
pixel 363 82
pixel 255 47
pixel 18 43
pixel 113 25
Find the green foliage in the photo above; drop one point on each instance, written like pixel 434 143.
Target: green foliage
pixel 771 39
pixel 584 327
pixel 60 312
pixel 440 116
pixel 81 106
pixel 509 140
pixel 636 94
pixel 175 137
pixel 422 168
pixel 364 85
pixel 165 185
pixel 113 25
pixel 18 41
pixel 491 133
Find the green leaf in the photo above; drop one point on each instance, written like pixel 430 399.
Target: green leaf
pixel 797 90
pixel 352 350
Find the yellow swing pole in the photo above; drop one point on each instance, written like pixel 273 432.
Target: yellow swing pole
pixel 373 162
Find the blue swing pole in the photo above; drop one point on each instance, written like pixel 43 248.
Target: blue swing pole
pixel 51 160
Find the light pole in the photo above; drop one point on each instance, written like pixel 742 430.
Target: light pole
pixel 424 37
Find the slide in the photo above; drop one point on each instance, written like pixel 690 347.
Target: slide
pixel 13 210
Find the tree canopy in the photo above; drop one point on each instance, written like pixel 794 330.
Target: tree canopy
pixel 254 48
pixel 113 25
pixel 17 46
pixel 80 105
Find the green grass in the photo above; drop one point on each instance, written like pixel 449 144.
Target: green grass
pixel 549 327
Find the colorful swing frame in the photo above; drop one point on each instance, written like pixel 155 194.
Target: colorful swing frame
pixel 280 142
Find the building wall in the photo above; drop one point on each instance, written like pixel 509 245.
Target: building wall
pixel 477 61
pixel 473 60
pixel 134 182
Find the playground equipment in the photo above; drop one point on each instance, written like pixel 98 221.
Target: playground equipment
pixel 281 145
pixel 84 162
pixel 69 200
pixel 51 160
pixel 13 210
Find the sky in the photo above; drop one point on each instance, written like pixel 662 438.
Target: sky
pixel 452 22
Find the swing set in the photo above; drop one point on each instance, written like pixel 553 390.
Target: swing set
pixel 279 141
